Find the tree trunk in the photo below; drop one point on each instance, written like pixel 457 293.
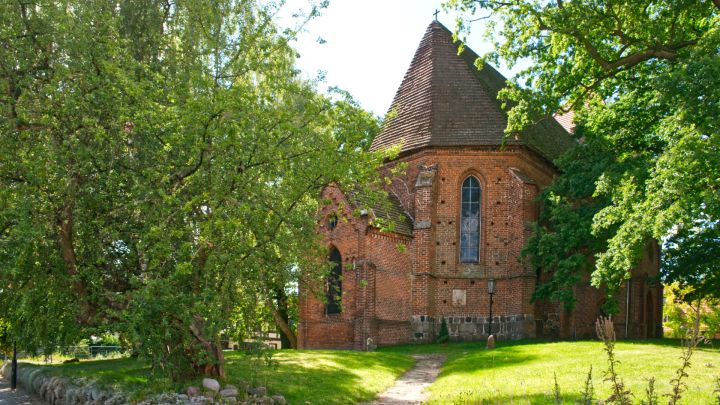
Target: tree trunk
pixel 65 222
pixel 215 364
pixel 280 315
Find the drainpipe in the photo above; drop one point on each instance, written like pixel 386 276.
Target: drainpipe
pixel 627 307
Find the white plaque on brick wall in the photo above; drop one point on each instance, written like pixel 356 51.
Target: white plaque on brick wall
pixel 458 298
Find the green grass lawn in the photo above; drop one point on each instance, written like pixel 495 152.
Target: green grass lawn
pixel 318 376
pixel 523 372
pixel 515 372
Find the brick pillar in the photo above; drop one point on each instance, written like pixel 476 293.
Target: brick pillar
pixel 365 305
pixel 424 251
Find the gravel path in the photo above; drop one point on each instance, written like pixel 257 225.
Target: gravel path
pixel 19 397
pixel 410 388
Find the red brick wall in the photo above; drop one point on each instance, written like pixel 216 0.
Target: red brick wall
pixel 397 289
pixel 316 329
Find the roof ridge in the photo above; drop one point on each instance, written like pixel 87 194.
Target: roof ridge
pixel 433 81
pixel 445 101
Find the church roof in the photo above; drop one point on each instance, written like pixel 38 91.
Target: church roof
pixel 388 209
pixel 444 100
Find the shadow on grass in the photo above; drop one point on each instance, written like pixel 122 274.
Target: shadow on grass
pixel 468 363
pixel 128 375
pixel 115 370
pixel 453 347
pixel 322 377
pixel 711 345
pixel 471 397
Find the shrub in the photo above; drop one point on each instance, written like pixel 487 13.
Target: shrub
pixel 444 334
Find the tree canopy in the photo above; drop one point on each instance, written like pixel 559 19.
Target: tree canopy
pixel 643 78
pixel 160 169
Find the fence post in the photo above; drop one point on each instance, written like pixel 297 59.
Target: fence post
pixel 13 376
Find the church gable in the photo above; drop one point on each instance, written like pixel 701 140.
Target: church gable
pixel 445 101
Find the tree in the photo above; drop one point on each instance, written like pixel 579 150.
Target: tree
pixel 681 308
pixel 159 159
pixel 644 80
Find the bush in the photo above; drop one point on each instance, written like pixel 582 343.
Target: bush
pixel 444 335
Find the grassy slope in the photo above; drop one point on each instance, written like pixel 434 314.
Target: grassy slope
pixel 523 372
pixel 321 377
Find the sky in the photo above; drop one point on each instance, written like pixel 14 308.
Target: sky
pixel 369 45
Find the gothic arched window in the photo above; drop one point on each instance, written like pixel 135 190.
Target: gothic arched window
pixel 333 287
pixel 470 221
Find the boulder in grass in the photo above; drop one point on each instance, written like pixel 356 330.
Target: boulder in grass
pixel 229 391
pixel 279 400
pixel 193 392
pixel 211 384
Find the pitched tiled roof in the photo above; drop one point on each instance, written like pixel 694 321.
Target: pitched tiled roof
pixel 567 120
pixel 445 101
pixel 392 211
pixel 388 209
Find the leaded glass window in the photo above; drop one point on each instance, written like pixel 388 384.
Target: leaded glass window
pixel 470 221
pixel 333 286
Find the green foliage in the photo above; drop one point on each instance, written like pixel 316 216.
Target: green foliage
pixel 679 313
pixel 6 338
pixel 691 257
pixel 562 243
pixel 651 397
pixel 587 395
pixel 106 339
pixel 443 334
pixel 160 172
pixel 643 78
pixel 557 397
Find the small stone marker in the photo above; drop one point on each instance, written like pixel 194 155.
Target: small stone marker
pixel 491 342
pixel 193 392
pixel 211 384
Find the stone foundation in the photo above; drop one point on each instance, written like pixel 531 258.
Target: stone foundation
pixel 464 328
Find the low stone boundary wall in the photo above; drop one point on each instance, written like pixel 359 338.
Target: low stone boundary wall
pixel 62 390
pixel 82 391
pixel 472 327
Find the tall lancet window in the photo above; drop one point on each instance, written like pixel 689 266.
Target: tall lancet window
pixel 470 221
pixel 333 286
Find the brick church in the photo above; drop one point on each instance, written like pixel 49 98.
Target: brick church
pixel 463 210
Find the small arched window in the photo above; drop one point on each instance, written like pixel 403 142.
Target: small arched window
pixel 332 221
pixel 470 221
pixel 333 286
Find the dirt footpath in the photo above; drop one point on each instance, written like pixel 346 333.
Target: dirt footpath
pixel 410 388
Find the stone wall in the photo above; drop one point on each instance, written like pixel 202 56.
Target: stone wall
pixel 464 328
pixel 61 390
pixel 82 391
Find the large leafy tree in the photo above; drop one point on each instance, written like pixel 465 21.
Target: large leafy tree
pixel 160 167
pixel 643 78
